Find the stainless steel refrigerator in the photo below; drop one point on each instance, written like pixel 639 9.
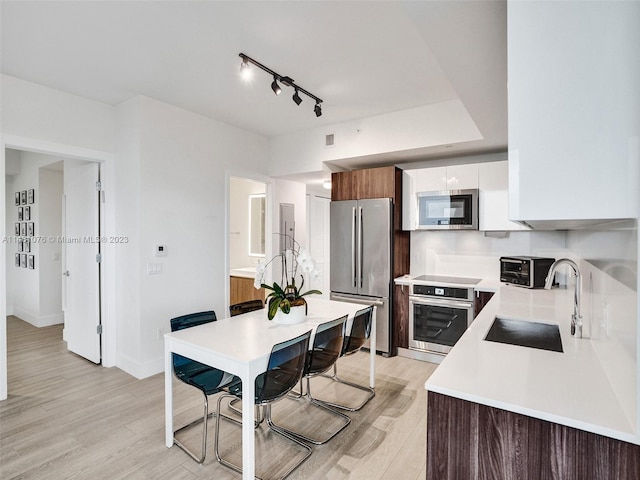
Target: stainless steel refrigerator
pixel 361 258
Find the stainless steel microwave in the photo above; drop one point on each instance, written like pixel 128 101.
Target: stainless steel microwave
pixel 448 210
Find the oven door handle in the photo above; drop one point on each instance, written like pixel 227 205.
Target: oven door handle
pixel 439 302
pixel 435 335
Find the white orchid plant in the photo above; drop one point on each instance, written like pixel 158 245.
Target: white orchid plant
pixel 295 262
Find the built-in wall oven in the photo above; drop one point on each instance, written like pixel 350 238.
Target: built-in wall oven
pixel 440 311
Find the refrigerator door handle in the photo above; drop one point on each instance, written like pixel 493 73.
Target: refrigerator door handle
pixel 360 247
pixel 354 222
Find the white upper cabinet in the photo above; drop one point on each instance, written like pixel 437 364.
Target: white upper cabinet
pixel 409 201
pixel 432 179
pixel 574 111
pixel 491 178
pixel 462 177
pixel 453 177
pixel 493 182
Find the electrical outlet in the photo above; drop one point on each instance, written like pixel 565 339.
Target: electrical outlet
pixel 154 268
pixel 159 333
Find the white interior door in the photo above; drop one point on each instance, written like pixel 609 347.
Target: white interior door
pixel 318 239
pixel 81 294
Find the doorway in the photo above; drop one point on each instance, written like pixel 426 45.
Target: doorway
pixel 248 237
pixel 50 237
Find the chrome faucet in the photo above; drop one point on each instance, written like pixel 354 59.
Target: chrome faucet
pixel 576 318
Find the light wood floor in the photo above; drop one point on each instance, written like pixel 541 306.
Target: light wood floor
pixel 66 418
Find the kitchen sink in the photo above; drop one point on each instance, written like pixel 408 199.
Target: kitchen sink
pixel 525 333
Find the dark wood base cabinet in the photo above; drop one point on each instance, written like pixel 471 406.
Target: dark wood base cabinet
pixel 466 441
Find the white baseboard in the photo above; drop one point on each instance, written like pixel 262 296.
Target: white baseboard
pixel 140 370
pixel 38 321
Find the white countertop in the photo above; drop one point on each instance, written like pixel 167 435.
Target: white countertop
pixel 569 388
pixel 244 272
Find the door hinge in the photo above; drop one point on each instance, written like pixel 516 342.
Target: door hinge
pixel 99 186
pixel 99 329
pixel 98 257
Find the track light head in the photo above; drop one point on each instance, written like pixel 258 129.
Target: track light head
pixel 296 97
pixel 275 87
pixel 245 71
pixel 318 110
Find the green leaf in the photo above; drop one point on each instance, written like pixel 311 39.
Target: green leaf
pixel 278 289
pixel 311 292
pixel 285 305
pixel 273 308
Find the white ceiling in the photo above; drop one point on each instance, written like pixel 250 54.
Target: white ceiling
pixel 363 58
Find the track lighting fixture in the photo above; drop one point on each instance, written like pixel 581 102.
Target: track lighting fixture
pixel 296 97
pixel 275 87
pixel 284 80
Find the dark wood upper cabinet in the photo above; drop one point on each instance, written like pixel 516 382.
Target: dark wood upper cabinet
pixel 367 183
pixel 342 186
pixel 375 183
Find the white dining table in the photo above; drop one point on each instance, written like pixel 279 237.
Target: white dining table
pixel 241 346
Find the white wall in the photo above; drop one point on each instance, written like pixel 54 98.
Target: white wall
pixel 426 126
pixel 171 180
pixel 12 159
pixel 471 254
pixel 239 191
pixel 609 267
pixel 128 264
pixel 36 112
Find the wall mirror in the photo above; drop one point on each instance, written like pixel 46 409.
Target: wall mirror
pixel 257 225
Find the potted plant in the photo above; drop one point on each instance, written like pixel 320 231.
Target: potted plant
pixel 287 295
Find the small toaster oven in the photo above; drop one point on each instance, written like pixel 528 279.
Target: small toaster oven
pixel 529 272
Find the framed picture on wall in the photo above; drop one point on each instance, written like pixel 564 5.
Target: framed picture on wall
pixel 17 259
pixel 27 213
pixel 23 197
pixel 32 262
pixel 31 231
pixel 23 229
pixel 23 260
pixel 27 245
pixel 17 198
pixel 31 195
pixel 20 245
pixel 17 230
pixel 20 213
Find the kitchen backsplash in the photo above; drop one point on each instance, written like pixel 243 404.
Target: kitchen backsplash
pixel 472 254
pixel 609 301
